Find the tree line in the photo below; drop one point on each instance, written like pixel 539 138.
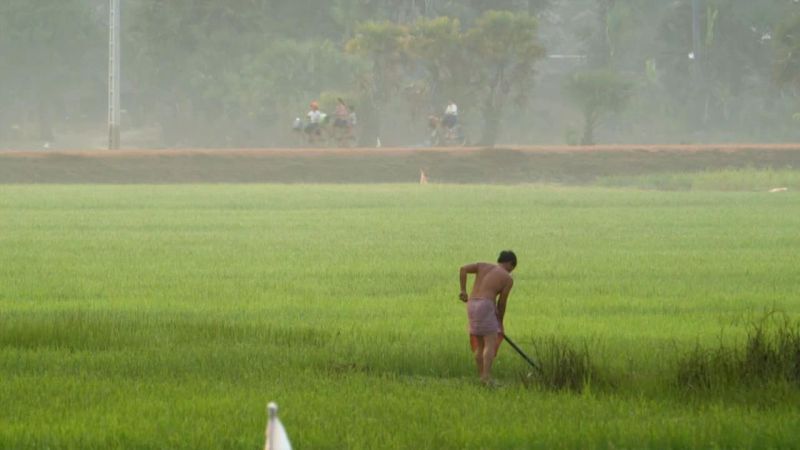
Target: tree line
pixel 235 73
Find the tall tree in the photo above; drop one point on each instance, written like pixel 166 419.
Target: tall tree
pixel 505 48
pixel 438 45
pixel 597 93
pixel 385 45
pixel 49 51
pixel 787 64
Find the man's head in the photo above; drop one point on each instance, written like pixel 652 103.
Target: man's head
pixel 508 260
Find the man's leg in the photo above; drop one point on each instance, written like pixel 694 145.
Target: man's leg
pixel 478 353
pixel 489 351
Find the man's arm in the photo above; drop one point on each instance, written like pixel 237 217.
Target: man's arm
pixel 501 302
pixel 462 275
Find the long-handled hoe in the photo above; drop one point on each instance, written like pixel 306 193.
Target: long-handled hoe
pixel 521 353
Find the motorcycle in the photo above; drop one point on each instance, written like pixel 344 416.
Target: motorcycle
pixel 446 136
pixel 326 133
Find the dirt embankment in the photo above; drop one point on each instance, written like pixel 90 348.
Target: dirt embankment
pixel 560 164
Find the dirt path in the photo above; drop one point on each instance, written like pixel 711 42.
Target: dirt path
pixel 676 148
pixel 559 164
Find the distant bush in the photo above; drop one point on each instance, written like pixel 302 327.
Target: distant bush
pixel 771 352
pixel 564 367
pixel 747 179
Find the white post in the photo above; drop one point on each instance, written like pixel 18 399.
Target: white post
pixel 276 435
pixel 113 74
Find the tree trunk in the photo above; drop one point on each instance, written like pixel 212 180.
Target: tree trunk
pixel 379 97
pixel 589 124
pixel 492 111
pixel 491 122
pixel 436 92
pixel 378 125
pixel 369 125
pixel 602 51
pixel 43 118
pixel 588 135
pixel 491 129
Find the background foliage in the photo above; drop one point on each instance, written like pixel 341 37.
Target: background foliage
pixel 236 73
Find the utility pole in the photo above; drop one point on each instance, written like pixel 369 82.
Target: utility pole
pixel 697 38
pixel 113 74
pixel 698 56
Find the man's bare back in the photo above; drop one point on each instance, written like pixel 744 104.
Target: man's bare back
pixel 490 280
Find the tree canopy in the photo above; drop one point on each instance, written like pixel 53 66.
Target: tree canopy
pixel 236 73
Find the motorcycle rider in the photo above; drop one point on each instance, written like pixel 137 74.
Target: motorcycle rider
pixel 342 114
pixel 315 117
pixel 450 115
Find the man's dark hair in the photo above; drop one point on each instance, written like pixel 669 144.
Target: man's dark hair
pixel 507 256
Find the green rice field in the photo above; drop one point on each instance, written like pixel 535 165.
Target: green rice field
pixel 168 316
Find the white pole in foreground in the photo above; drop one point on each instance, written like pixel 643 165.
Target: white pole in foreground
pixel 276 435
pixel 113 73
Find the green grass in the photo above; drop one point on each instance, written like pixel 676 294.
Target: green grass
pixel 168 316
pixel 745 179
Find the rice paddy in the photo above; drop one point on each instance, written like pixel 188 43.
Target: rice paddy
pixel 167 316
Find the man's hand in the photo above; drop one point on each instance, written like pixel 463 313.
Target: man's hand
pixel 463 296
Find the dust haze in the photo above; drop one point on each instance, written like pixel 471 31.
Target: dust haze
pixel 243 74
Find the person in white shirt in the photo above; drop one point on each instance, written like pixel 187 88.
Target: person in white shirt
pixel 314 118
pixel 450 115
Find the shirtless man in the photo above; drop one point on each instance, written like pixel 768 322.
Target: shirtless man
pixel 486 316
